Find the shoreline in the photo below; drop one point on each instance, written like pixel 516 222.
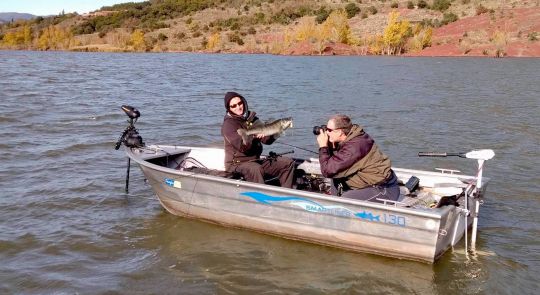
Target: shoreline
pixel 90 49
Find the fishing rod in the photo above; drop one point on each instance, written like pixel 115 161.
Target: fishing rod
pixel 297 147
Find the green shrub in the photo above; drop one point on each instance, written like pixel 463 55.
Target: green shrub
pixel 259 17
pixel 394 5
pixel 372 10
pixel 322 14
pixel 532 36
pixel 480 9
pixel 252 31
pixel 162 37
pixel 287 15
pixel 449 18
pixel 235 26
pixel 352 10
pixel 410 5
pixel 235 38
pixel 441 5
pixel 422 4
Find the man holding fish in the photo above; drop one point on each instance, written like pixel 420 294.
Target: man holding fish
pixel 244 135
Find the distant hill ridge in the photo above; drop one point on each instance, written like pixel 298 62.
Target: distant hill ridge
pixel 6 17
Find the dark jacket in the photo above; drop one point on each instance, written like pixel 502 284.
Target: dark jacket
pixel 357 161
pixel 235 150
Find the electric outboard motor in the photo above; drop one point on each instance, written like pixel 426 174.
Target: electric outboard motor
pixel 130 137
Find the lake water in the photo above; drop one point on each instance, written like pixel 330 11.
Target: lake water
pixel 66 225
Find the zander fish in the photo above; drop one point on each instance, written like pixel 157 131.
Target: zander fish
pixel 275 127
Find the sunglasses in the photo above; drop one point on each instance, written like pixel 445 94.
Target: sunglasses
pixel 330 129
pixel 232 106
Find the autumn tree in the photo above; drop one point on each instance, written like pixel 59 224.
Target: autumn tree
pixel 21 38
pixel 421 38
pixel 306 30
pixel 214 42
pixel 337 26
pixel 137 40
pixel 395 34
pixel 55 38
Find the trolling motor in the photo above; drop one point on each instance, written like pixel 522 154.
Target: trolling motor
pixel 130 137
pixel 480 156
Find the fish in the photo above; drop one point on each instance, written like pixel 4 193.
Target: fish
pixel 274 127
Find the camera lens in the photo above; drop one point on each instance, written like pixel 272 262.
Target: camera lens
pixel 318 129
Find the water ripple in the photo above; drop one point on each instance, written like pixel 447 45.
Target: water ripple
pixel 67 227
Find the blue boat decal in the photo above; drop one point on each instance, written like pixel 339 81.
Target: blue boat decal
pixel 173 183
pixel 368 216
pixel 311 206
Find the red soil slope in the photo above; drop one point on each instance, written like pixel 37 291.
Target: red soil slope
pixel 509 32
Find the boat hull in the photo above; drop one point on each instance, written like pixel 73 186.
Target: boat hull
pixel 422 235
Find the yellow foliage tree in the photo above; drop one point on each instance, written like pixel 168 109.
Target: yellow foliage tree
pixel 337 27
pixel 55 38
pixel 500 40
pixel 27 35
pixel 19 38
pixel 10 39
pixel 395 34
pixel 421 38
pixel 306 30
pixel 137 40
pixel 376 44
pixel 214 41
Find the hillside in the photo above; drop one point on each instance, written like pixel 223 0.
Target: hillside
pixel 301 27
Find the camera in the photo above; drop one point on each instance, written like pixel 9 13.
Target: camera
pixel 317 129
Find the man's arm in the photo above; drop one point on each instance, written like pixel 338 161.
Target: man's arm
pixel 231 135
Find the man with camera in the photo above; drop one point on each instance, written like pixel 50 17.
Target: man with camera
pixel 350 156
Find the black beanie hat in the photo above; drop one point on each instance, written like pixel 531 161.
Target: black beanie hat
pixel 229 96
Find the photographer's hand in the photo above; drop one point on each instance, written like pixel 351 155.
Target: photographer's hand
pixel 322 139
